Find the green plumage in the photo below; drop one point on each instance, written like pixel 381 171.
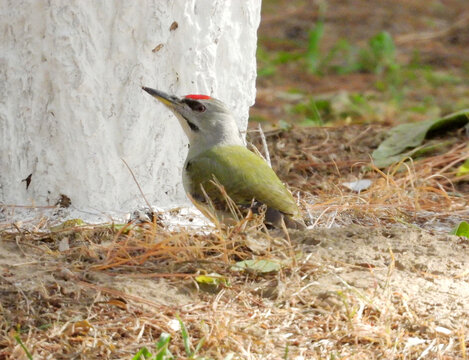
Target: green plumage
pixel 244 175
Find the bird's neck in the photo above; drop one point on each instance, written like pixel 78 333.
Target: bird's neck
pixel 202 143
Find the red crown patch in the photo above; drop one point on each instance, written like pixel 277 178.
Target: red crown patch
pixel 198 97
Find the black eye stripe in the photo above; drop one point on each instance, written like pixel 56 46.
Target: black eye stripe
pixel 190 102
pixel 193 127
pixel 194 105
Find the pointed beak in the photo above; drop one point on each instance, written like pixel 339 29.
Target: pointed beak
pixel 169 100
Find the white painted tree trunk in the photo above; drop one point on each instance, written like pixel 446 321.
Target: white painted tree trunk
pixel 71 104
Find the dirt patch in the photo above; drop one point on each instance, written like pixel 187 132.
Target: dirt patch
pixel 429 269
pixel 390 283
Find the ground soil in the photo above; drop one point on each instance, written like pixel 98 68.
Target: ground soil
pixel 430 269
pixel 384 267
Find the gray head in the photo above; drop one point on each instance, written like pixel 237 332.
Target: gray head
pixel 206 121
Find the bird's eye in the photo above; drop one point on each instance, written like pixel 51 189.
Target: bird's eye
pixel 199 108
pixel 195 105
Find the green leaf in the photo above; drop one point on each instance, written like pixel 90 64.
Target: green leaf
pixel 313 53
pixel 211 279
pixel 162 347
pixel 383 50
pixel 463 169
pixel 258 266
pixel 310 111
pixel 461 230
pixel 198 347
pixel 406 137
pixel 185 338
pixel 123 228
pixel 25 349
pixel 142 352
pixel 68 224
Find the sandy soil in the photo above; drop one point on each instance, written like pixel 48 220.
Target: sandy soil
pixel 429 269
pixel 384 267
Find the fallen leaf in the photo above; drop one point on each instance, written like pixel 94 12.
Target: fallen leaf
pixel 211 279
pixel 121 304
pixel 64 244
pixel 463 169
pixel 259 266
pixel 68 224
pixel 462 229
pixel 359 185
pixel 405 137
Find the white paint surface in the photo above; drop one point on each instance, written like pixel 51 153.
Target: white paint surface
pixel 71 104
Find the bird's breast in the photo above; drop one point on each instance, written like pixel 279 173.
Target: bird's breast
pixel 186 177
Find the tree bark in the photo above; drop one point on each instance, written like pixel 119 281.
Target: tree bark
pixel 71 104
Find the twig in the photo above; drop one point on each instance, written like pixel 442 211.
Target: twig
pixel 138 185
pixel 359 136
pixel 264 145
pixel 122 294
pixel 425 36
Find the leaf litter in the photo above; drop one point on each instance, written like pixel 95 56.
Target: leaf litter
pixel 373 275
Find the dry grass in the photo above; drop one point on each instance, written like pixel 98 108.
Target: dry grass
pixel 317 161
pixel 253 317
pixel 75 308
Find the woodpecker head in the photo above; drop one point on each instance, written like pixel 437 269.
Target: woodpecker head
pixel 206 121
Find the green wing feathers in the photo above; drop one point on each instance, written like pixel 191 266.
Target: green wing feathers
pixel 244 175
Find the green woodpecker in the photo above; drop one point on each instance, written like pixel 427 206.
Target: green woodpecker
pixel 217 154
